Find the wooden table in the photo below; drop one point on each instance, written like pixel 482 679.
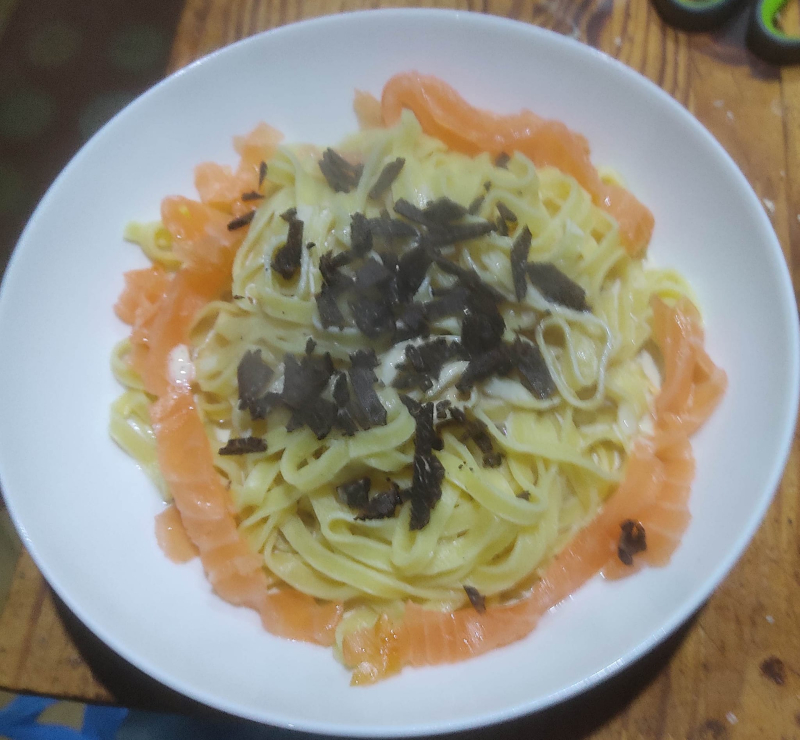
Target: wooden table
pixel 734 670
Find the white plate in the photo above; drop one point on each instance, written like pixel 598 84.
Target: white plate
pixel 86 512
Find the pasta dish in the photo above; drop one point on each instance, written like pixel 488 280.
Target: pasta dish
pixel 407 393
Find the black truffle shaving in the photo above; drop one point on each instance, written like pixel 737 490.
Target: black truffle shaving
pixel 458 414
pixel 442 235
pixel 311 345
pixel 474 208
pixel 412 405
pixel 262 406
pixel 252 376
pixel 329 313
pixel 340 174
pixel 495 362
pixel 340 391
pixel 382 505
pixel 469 279
pixel 355 493
pixel 476 430
pixel 319 415
pixel 241 222
pixel 532 368
pixel 286 260
pixel 426 486
pixel 506 213
pixel 243 446
pixel 476 598
pixel 412 322
pixel 441 409
pixel 388 175
pixel 304 381
pixel 252 195
pixel 373 316
pixel 262 173
pixel 364 358
pixel 519 260
pixel 632 540
pixel 360 234
pixel 431 356
pixel 483 325
pixel 345 422
pixel 410 211
pixel 556 287
pixel 502 160
pixel 501 227
pixel 444 211
pixel 450 302
pixel 389 228
pixel 295 421
pixel 289 215
pixel 408 380
pixel 372 274
pixel 424 362
pixel 357 415
pixel 368 407
pixel 330 265
pixel 411 272
pixel 492 460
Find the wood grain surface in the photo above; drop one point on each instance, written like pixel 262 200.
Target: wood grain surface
pixel 734 670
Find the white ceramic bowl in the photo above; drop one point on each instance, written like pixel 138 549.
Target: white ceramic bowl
pixel 86 512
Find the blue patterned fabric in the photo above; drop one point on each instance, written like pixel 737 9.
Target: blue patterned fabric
pixel 19 720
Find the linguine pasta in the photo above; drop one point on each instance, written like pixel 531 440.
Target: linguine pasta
pixel 555 456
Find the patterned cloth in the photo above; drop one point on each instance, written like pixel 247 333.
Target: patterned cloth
pixel 25 718
pixel 20 720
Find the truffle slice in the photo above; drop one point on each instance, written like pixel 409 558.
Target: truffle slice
pixel 340 174
pixel 519 260
pixel 360 234
pixel 496 361
pixel 443 211
pixel 369 410
pixel 373 315
pixel 305 380
pixel 243 446
pixel 286 260
pixel 372 274
pixel 533 371
pixel 329 312
pixel 632 540
pixel 411 270
pixel 382 505
pixel 252 376
pixel 354 494
pixel 483 325
pixel 556 287
pixel 426 486
pixel 388 175
pixel 477 599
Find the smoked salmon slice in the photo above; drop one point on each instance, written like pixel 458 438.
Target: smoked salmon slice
pixel 368 110
pixel 444 114
pixel 235 572
pixel 161 308
pixel 143 289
